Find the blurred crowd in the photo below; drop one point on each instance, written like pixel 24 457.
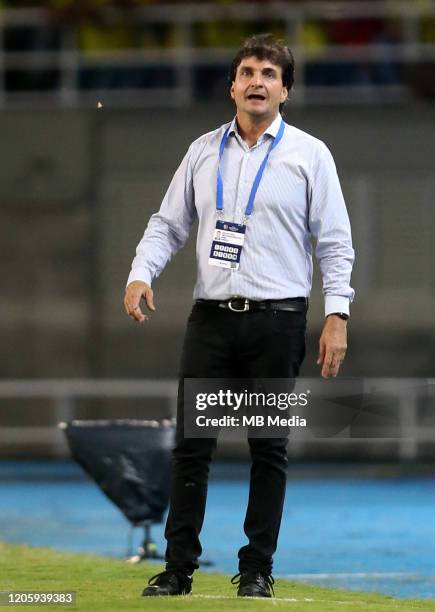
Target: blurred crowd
pixel 98 30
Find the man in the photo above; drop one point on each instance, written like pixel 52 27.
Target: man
pixel 271 188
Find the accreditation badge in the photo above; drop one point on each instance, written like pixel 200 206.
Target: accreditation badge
pixel 227 244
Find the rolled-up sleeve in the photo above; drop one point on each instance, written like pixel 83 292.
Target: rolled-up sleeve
pixel 169 228
pixel 329 225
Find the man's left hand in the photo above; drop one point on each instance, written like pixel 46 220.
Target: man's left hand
pixel 332 346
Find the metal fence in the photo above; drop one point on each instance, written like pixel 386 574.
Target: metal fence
pixel 416 427
pixel 54 66
pixel 62 396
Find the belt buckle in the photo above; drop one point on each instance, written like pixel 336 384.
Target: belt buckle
pixel 245 305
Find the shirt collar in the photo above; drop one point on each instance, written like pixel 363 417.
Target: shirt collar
pixel 272 130
pixel 274 126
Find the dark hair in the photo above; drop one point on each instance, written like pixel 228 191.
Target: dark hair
pixel 266 46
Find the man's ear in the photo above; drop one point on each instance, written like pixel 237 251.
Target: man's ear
pixel 284 94
pixel 232 90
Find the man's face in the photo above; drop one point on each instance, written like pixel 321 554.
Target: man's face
pixel 258 89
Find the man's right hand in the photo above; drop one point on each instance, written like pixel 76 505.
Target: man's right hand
pixel 133 294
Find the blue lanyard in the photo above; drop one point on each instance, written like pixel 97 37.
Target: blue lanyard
pixel 255 185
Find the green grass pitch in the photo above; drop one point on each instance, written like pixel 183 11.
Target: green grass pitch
pixel 112 585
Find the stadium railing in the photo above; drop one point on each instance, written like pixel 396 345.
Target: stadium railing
pixel 348 52
pixel 62 397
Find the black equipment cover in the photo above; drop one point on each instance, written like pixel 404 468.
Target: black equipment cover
pixel 130 462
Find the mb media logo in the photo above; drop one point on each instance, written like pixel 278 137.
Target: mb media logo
pixel 273 421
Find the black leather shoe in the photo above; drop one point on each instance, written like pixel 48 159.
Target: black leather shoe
pixel 168 583
pixel 254 584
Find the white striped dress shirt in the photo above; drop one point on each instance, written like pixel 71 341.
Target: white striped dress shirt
pixel 299 199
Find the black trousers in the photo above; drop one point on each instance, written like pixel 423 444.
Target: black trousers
pixel 223 344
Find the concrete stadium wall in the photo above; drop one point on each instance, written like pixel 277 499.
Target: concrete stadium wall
pixel 76 191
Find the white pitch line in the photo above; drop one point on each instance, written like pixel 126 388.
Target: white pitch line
pixel 234 597
pixel 286 599
pixel 352 575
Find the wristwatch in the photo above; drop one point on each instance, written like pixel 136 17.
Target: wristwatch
pixel 342 315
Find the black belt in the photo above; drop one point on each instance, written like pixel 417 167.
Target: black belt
pixel 241 304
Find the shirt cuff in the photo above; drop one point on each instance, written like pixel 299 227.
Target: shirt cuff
pixel 336 303
pixel 139 274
